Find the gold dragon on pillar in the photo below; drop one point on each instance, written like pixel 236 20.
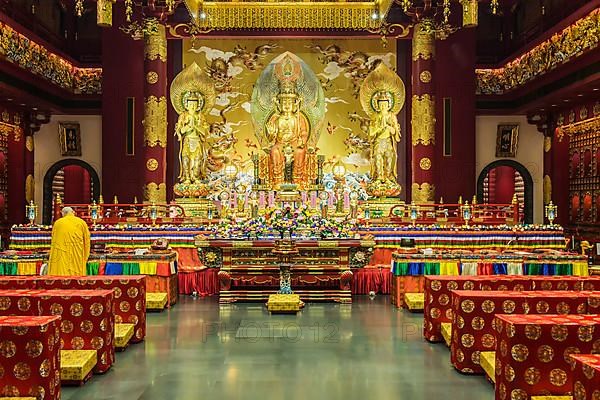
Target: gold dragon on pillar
pixel 382 96
pixel 288 106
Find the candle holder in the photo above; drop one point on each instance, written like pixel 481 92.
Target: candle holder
pixel 95 212
pixel 551 212
pixel 153 211
pixel 466 212
pixel 31 211
pixel 414 213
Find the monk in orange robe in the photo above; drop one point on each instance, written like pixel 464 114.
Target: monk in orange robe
pixel 70 246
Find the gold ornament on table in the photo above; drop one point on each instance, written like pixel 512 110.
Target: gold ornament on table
pixel 382 96
pixel 288 106
pixel 192 96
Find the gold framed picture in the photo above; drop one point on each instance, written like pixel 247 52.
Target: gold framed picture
pixel 507 138
pixel 69 135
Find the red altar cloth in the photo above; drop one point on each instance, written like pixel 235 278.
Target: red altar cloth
pixel 130 293
pixel 437 292
pixel 29 357
pixel 586 377
pixel 474 311
pixel 203 281
pixel 438 308
pixel 129 296
pixel 532 358
pixel 88 320
pixel 370 279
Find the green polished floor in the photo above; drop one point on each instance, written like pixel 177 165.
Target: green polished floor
pixel 367 350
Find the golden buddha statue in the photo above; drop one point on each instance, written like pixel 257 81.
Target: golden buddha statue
pixel 288 108
pixel 192 131
pixel 288 134
pixel 384 135
pixel 193 96
pixel 382 96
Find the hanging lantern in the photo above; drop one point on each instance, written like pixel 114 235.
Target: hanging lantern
pixel 470 10
pixel 104 13
pixel 494 6
pixel 79 8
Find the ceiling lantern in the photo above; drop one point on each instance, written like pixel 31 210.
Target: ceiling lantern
pixel 104 13
pixel 470 10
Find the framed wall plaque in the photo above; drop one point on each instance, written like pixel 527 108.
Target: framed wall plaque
pixel 69 134
pixel 507 138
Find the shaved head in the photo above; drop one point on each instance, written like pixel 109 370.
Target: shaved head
pixel 67 211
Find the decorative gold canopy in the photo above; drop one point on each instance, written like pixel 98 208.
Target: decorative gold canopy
pixel 273 14
pixel 382 84
pixel 190 83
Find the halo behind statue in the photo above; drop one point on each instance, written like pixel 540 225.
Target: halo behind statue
pixel 190 83
pixel 287 71
pixel 382 83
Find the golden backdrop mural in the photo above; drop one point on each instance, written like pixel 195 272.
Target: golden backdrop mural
pixel 279 101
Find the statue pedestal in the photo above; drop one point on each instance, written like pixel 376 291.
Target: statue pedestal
pixel 198 208
pixel 380 207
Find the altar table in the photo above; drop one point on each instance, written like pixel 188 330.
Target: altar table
pixel 532 357
pixel 455 264
pixel 29 356
pixel 87 317
pixel 586 376
pixel 473 318
pixel 249 271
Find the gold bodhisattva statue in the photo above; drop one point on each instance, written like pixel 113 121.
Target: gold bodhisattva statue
pixel 192 96
pixel 382 96
pixel 192 132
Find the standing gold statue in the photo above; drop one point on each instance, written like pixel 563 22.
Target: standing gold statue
pixel 288 106
pixel 192 132
pixel 287 131
pixel 192 96
pixel 382 96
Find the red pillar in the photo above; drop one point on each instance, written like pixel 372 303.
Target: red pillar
pixel 423 115
pixel 155 113
pixel 16 176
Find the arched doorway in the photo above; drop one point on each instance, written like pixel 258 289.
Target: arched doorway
pixel 74 179
pixel 509 177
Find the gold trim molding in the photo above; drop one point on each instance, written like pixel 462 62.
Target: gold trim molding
pixel 591 125
pixel 274 14
pixel 155 41
pixel 423 43
pixel 38 60
pixel 29 188
pixel 564 46
pixel 155 121
pixel 423 120
pixel 547 188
